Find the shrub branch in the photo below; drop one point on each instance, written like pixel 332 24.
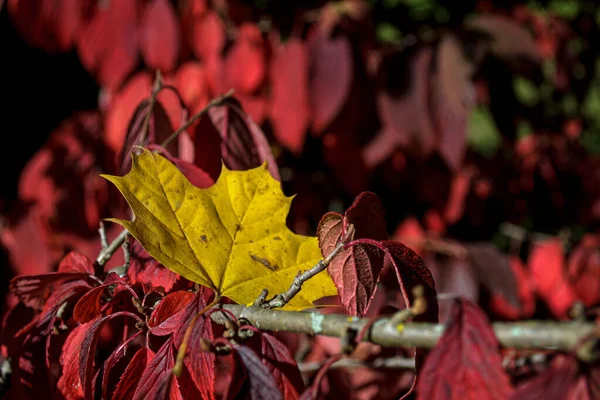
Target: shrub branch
pixel 532 335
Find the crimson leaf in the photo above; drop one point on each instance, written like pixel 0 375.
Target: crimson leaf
pixel 465 364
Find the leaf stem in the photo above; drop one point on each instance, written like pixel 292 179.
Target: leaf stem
pixel 215 102
pixel 108 252
pixel 283 298
pixel 178 368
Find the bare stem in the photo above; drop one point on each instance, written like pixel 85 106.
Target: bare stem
pixel 108 251
pixel 215 102
pixel 390 363
pixel 102 232
pixel 155 90
pixel 532 335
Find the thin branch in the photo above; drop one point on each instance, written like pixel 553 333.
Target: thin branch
pixel 390 363
pixel 533 335
pixel 283 298
pixel 155 90
pixel 215 102
pixel 102 232
pixel 108 252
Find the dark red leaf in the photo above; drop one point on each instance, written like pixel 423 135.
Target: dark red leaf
pixel 166 317
pixel 76 262
pixel 406 120
pixel 159 36
pixel 459 190
pixel 494 271
pixel 89 305
pixel 526 306
pixel 243 144
pixel 547 266
pixel 32 370
pixel 280 362
pixel 146 270
pixel 289 104
pixel 33 290
pixel 466 363
pixel 454 99
pixel 244 67
pixel 208 36
pixel 157 378
pixel 260 384
pixel 355 270
pixel 456 277
pixel 331 76
pixel 69 383
pixel 507 39
pixel 87 354
pixel 117 355
pixel 198 363
pixel 554 383
pixel 584 270
pixel 133 373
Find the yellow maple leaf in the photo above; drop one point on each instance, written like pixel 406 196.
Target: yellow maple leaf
pixel 231 237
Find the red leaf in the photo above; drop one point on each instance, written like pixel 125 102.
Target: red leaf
pixel 107 45
pixel 76 262
pixel 546 264
pixel 465 364
pixel 159 36
pixel 355 270
pixel 280 362
pixel 456 277
pixel 144 269
pixel 243 144
pixel 198 363
pixel 89 305
pixel 157 378
pixel 133 373
pixel 166 317
pixel 33 290
pixel 117 355
pixel 554 383
pixel 87 354
pixel 290 106
pixel 208 37
pixel 584 270
pixel 411 234
pixel 69 383
pixel 461 184
pixel 192 84
pixel 331 77
pixel 260 383
pixel 245 61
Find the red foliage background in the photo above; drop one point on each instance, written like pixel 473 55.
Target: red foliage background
pixel 476 132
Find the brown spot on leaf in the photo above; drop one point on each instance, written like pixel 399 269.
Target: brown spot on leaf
pixel 264 262
pixel 276 238
pixel 203 238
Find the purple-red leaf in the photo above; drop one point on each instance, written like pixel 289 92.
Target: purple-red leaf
pixel 199 364
pixel 260 384
pixel 157 378
pixel 89 305
pixel 466 363
pixel 355 270
pixel 243 143
pixel 166 317
pixel 331 77
pixel 280 362
pixel 69 383
pixel 133 373
pixel 88 351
